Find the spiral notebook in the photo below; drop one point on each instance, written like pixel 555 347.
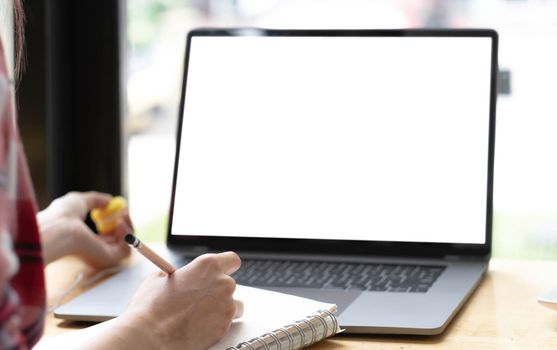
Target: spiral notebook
pixel 275 321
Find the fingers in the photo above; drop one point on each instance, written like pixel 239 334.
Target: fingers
pixel 226 263
pixel 107 255
pixel 62 223
pixel 239 308
pixel 127 220
pixel 100 252
pixel 213 271
pixel 122 228
pixel 95 199
pixel 229 262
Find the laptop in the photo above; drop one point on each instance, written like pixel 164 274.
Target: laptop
pixel 348 166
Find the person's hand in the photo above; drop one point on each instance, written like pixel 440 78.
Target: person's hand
pixel 190 309
pixel 64 232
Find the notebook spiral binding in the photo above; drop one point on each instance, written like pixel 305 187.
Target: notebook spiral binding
pixel 298 335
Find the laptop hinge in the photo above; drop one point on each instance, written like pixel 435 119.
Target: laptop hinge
pixel 195 250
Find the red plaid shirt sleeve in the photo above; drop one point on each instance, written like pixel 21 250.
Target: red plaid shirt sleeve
pixel 22 288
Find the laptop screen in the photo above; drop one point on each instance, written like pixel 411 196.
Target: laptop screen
pixel 364 138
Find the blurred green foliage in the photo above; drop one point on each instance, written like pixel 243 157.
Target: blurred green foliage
pixel 154 231
pixel 525 236
pixel 144 19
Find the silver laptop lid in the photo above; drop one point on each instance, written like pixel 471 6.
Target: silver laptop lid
pixel 339 140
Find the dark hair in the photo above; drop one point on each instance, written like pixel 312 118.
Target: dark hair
pixel 19 25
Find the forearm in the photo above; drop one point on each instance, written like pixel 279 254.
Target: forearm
pixel 112 334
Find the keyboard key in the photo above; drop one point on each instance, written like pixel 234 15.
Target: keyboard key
pixel 334 275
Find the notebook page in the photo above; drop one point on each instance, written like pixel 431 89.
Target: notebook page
pixel 266 311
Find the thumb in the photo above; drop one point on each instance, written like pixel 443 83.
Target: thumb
pixel 101 253
pixel 95 199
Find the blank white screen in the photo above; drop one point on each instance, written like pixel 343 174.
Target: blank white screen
pixel 354 138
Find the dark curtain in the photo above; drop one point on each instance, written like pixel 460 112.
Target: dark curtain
pixel 70 97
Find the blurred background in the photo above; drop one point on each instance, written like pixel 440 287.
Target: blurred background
pixel 153 34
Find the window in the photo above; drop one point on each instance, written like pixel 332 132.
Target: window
pixel 6 30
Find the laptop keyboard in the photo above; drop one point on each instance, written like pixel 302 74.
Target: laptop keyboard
pixel 336 275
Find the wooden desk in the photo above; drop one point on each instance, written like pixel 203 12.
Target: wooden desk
pixel 502 314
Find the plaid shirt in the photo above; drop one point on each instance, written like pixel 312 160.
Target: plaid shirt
pixel 22 288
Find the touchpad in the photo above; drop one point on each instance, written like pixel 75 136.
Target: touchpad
pixel 109 299
pixel 341 298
